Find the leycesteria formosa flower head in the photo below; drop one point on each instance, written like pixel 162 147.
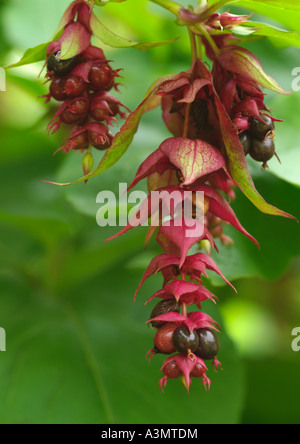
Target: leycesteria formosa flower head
pixel 81 78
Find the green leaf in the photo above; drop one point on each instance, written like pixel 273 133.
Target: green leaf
pixel 283 38
pixel 287 142
pixel 279 238
pixel 81 359
pixel 286 12
pixel 32 55
pixel 105 2
pixel 111 39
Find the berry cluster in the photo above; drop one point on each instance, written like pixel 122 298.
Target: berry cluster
pixel 171 338
pixel 258 141
pixel 82 83
pixel 209 113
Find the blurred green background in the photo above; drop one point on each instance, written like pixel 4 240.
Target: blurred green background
pixel 76 341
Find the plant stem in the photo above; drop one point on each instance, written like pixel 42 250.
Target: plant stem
pixel 193 45
pixel 188 106
pixel 208 37
pixel 169 5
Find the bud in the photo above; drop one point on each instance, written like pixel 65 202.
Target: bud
pixel 87 163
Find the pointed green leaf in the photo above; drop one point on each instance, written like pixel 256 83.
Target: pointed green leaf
pixel 111 39
pixel 283 37
pixel 32 55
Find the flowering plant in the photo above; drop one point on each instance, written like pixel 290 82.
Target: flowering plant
pixel 216 114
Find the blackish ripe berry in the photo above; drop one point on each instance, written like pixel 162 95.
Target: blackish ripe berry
pixel 259 130
pixel 263 151
pixel 163 339
pixel 172 371
pixel 74 86
pixel 57 90
pixel 170 305
pixel 246 141
pixel 61 68
pixel 185 341
pixel 101 77
pixel 209 345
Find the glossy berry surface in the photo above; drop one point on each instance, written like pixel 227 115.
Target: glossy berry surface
pixel 163 340
pixel 198 371
pixel 184 340
pixel 167 306
pixel 259 130
pixel 209 345
pixel 246 141
pixel 172 371
pixel 263 151
pixel 74 86
pixel 57 90
pixel 101 77
pixel 61 68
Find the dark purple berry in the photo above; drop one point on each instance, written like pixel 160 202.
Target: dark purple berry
pixel 167 306
pixel 263 151
pixel 185 341
pixel 259 130
pixel 163 339
pixel 209 345
pixel 61 68
pixel 101 77
pixel 246 141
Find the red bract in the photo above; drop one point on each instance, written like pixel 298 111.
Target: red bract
pixel 184 292
pixel 194 266
pixel 193 158
pixel 186 366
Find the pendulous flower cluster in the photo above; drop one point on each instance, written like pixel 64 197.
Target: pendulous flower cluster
pixel 82 83
pixel 209 114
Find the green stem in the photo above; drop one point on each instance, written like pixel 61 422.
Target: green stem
pixel 193 45
pixel 208 37
pixel 169 5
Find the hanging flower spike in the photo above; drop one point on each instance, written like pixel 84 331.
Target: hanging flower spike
pixel 180 365
pixel 81 78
